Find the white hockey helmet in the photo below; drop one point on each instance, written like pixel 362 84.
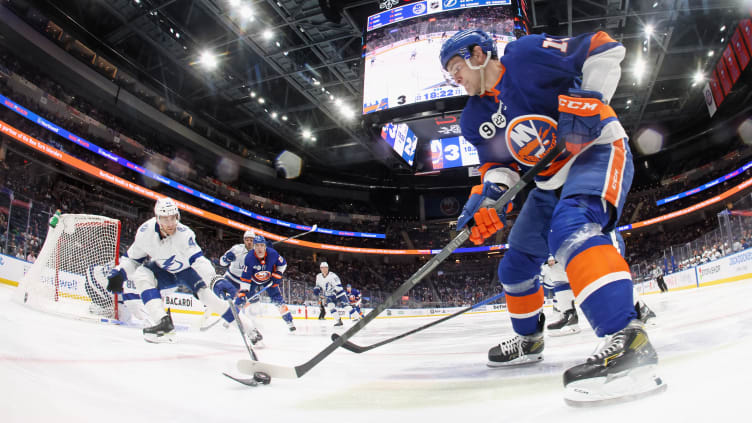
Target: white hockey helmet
pixel 249 234
pixel 324 264
pixel 166 207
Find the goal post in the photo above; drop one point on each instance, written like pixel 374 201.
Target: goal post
pixel 69 276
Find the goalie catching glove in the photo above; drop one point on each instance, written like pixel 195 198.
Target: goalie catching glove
pixel 115 280
pixel 478 207
pixel 582 116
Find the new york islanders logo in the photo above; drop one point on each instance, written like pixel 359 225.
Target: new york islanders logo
pixel 530 137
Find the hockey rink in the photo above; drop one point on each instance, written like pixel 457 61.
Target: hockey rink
pixel 64 370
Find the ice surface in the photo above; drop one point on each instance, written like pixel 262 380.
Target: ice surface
pixel 59 369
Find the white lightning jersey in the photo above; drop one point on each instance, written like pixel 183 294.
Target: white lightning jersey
pixel 235 268
pixel 174 253
pixel 329 284
pixel 554 275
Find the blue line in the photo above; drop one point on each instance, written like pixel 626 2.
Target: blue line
pixel 167 181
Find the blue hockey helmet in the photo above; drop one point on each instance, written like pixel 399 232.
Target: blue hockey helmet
pixel 258 239
pixel 462 42
pixel 348 286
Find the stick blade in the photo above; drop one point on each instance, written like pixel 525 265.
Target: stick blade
pixel 247 382
pixel 350 346
pixel 249 367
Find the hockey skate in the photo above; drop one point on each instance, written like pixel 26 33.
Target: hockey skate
pixel 291 326
pixel 567 324
pixel 339 322
pixel 164 331
pixel 518 349
pixel 645 314
pixel 623 369
pixel 254 336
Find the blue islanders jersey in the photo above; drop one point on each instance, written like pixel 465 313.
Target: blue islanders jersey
pixel 265 269
pixel 514 125
pixel 354 296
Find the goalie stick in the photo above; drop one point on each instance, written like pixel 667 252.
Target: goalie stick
pixel 359 349
pixel 288 372
pixel 313 229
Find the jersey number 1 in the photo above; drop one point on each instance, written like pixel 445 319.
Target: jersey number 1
pixel 554 43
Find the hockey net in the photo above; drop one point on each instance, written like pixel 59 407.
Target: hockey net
pixel 69 276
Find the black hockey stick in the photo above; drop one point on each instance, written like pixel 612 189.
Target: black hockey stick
pixel 359 349
pixel 313 229
pixel 242 331
pixel 288 372
pixel 211 325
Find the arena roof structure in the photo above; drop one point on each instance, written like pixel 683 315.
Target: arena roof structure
pixel 287 74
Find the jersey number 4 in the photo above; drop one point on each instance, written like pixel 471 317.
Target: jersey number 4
pixel 561 45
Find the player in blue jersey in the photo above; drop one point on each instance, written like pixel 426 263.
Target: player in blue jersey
pixel 353 295
pixel 264 267
pixel 544 90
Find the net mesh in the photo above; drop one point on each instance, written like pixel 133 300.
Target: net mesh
pixel 69 276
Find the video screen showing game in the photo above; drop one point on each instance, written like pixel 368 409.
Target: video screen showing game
pixel 402 48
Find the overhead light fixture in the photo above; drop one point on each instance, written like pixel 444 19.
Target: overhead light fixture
pixel 234 3
pixel 639 69
pixel 723 28
pixel 261 100
pixel 698 77
pixel 268 34
pixel 655 5
pixel 711 53
pixel 246 13
pixel 208 60
pixel 285 53
pixel 277 44
pixel 629 101
pixel 306 133
pixel 253 94
pixel 274 115
pixel 648 30
pixel 284 117
pixel 723 40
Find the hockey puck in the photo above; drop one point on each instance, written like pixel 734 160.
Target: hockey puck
pixel 262 378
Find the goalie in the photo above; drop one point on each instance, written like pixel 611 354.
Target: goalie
pixel 165 251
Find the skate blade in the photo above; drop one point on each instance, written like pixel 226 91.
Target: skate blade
pixel 520 361
pixel 167 338
pixel 635 385
pixel 567 330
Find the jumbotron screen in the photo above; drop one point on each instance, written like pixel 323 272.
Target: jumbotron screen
pixel 453 152
pixel 402 48
pixel 402 140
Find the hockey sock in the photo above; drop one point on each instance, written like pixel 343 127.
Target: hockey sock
pixel 155 310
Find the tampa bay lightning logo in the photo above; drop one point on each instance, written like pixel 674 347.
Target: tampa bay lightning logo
pixel 530 137
pixel 172 265
pixel 419 8
pixel 449 3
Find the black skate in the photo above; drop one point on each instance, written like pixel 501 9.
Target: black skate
pixel 339 322
pixel 518 349
pixel 566 325
pixel 255 336
pixel 164 331
pixel 645 314
pixel 623 369
pixel 291 326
